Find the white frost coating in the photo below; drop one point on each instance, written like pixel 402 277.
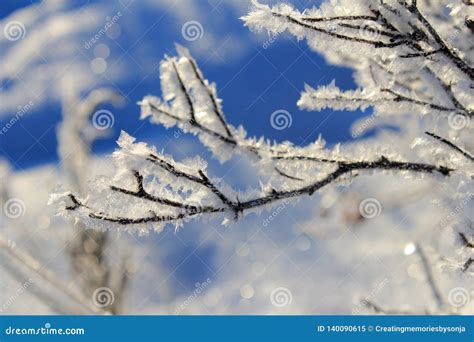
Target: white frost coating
pixel 190 102
pixel 331 96
pixel 409 71
pixel 400 64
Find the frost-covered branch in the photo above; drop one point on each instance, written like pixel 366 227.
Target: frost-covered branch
pixel 150 189
pixel 450 53
pixel 191 103
pixel 395 38
pixel 467 243
pixel 451 145
pixel 465 240
pixel 161 190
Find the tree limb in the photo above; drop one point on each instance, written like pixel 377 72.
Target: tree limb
pixel 236 206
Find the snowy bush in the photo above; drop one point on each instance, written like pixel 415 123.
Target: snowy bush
pixel 412 61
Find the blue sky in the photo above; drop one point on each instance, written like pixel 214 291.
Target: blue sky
pixel 252 80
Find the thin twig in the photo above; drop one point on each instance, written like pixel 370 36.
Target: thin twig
pixel 451 145
pixel 429 277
